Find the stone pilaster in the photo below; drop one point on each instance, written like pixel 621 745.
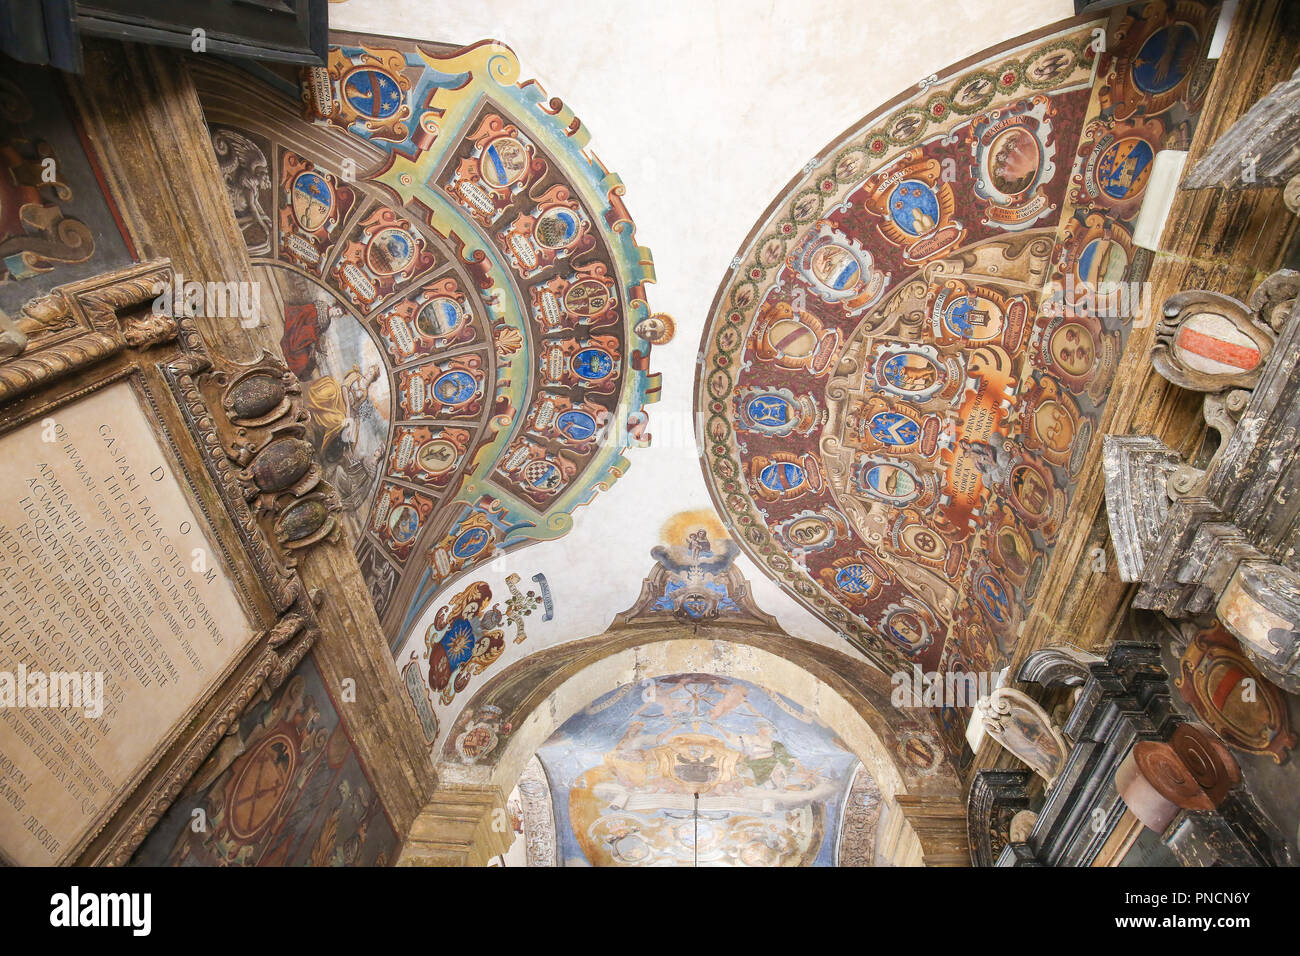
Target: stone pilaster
pixel 940 825
pixel 459 826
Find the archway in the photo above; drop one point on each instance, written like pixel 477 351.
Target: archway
pixel 524 707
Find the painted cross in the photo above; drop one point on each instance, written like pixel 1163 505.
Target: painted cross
pixel 518 606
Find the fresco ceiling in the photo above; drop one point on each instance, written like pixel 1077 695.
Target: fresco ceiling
pixel 895 385
pixel 702 147
pixel 772 780
pixel 458 288
pixel 906 363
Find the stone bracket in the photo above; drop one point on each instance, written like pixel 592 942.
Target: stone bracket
pixel 460 826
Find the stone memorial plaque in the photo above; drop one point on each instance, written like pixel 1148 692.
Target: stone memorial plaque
pixel 113 598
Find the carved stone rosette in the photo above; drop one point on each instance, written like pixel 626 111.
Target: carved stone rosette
pixel 1217 537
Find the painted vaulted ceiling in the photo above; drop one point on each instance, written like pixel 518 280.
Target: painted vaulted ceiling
pixel 458 287
pixel 625 772
pixel 894 383
pixel 907 360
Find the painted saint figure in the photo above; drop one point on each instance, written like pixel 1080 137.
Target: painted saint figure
pixel 305 324
pixel 340 412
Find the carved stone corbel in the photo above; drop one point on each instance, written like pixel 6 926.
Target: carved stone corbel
pixel 1017 722
pixel 1138 469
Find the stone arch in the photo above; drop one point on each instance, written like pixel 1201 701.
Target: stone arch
pixel 538 694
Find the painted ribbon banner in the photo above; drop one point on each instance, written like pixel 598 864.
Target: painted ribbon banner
pixel 108 578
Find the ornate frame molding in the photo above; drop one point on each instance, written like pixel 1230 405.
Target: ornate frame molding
pixel 226 425
pixel 994 797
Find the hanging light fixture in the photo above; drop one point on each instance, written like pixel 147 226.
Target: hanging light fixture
pixel 695 844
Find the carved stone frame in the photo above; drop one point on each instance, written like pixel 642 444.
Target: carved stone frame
pixel 102 331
